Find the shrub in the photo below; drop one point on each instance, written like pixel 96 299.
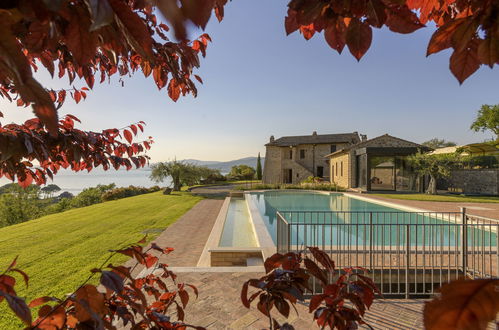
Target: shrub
pixel 90 196
pixel 481 161
pixel 316 186
pixel 214 178
pixel 241 172
pixel 124 192
pixel 19 204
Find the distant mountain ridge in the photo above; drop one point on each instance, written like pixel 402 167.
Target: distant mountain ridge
pixel 225 167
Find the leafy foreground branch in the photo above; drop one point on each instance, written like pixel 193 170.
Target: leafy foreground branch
pixel 146 302
pixel 121 300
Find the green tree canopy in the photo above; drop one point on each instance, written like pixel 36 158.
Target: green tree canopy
pixel 242 172
pixel 436 166
pixel 438 143
pixel 181 173
pixel 487 119
pixel 50 190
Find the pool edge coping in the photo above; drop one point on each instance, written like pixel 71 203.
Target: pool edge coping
pixel 215 234
pixel 263 237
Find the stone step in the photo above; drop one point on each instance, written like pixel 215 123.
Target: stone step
pixel 254 262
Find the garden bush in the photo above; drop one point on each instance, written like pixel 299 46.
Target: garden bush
pixel 129 191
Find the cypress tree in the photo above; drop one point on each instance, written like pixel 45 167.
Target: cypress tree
pixel 259 168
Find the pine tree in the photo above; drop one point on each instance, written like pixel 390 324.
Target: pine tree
pixel 259 168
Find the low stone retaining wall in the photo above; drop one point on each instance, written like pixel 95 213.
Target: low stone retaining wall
pixel 223 257
pixel 473 182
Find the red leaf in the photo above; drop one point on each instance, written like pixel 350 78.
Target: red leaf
pixel 19 307
pixel 150 261
pixel 442 38
pixel 315 302
pixel 290 22
pixel 134 27
pixel 23 274
pixel 52 319
pixel 184 297
pixel 463 64
pixel 128 136
pixel 308 31
pixel 80 41
pixel 134 129
pixel 376 14
pixel 358 38
pixel 198 78
pixel 77 96
pixel 244 295
pixel 335 35
pixel 41 300
pixel 322 257
pixel 488 50
pixel 402 20
pixel 463 304
pixel 313 269
pixel 94 300
pixel 112 281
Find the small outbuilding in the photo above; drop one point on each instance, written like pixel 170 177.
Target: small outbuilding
pixel 378 164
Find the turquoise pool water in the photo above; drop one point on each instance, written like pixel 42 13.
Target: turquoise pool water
pixel 237 230
pixel 349 224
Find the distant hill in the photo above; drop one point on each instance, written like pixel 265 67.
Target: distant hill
pixel 225 167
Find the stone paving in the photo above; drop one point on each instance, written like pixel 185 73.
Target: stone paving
pixel 188 234
pixel 489 210
pixel 219 307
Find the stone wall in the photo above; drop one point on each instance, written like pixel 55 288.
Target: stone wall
pixel 277 161
pixel 232 258
pixel 479 182
pixel 338 176
pixel 299 172
pixel 272 168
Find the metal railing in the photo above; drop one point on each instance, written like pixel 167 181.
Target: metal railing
pixel 406 253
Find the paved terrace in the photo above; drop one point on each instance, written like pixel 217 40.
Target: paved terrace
pixel 489 210
pixel 219 306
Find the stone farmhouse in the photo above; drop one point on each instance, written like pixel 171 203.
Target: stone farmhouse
pixel 349 160
pixel 292 159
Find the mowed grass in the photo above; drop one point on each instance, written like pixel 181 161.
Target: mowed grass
pixel 58 251
pixel 441 198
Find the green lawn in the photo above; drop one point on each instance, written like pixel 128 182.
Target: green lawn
pixel 57 251
pixel 441 198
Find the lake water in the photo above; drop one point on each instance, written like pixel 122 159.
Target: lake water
pixel 76 182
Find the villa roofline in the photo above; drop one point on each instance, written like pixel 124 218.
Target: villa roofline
pixel 363 143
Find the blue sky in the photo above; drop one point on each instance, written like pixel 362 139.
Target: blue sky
pixel 258 82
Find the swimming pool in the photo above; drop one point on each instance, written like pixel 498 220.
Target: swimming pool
pixel 237 230
pixel 338 218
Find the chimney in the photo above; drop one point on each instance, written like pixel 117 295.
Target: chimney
pixel 314 133
pixel 363 137
pixel 272 139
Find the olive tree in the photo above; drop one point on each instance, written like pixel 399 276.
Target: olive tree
pixel 436 166
pixel 181 173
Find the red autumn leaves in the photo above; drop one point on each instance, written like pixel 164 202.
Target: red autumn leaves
pixel 471 28
pixel 31 155
pixel 349 23
pixel 92 38
pixel 150 301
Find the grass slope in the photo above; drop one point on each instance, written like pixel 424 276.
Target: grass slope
pixel 441 198
pixel 57 251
